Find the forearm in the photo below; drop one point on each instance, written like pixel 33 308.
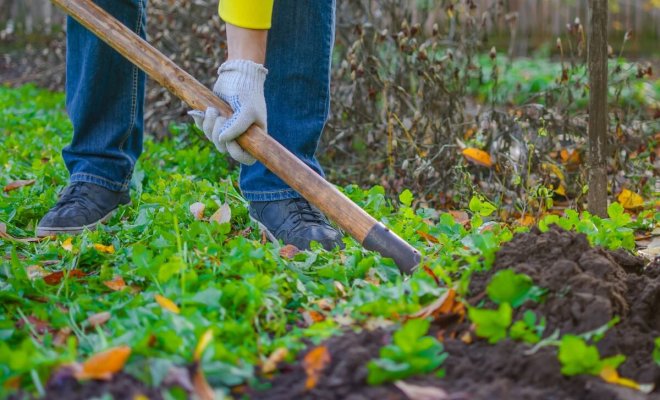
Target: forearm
pixel 246 44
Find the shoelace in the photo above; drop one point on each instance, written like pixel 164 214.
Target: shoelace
pixel 302 211
pixel 75 195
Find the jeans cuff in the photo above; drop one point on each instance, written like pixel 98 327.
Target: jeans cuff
pixel 101 181
pixel 271 196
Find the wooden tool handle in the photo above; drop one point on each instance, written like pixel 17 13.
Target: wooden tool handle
pixel 364 228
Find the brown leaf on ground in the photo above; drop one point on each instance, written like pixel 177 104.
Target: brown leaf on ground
pixel 61 337
pixel 222 215
pixel 270 365
pixel 430 238
pixel 202 388
pixel 289 251
pixel 197 210
pixel 18 184
pixel 311 317
pixel 460 217
pixel 416 392
pixel 314 363
pixel 443 305
pixel 105 364
pixel 340 288
pixel 56 277
pixel 38 325
pixel 116 283
pixel 432 274
pixel 35 272
pixel 98 319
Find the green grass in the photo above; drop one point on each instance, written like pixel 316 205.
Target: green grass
pixel 222 278
pixel 220 275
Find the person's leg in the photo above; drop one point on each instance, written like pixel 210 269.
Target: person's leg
pixel 297 89
pixel 105 101
pixel 297 93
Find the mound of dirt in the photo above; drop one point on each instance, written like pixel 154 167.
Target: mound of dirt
pixel 586 288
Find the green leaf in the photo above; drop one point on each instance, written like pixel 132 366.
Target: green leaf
pixel 491 324
pixel 577 357
pixel 506 286
pixel 406 198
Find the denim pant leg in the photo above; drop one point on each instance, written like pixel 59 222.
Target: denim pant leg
pixel 105 101
pixel 297 89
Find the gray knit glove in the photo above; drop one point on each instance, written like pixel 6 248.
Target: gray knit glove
pixel 241 84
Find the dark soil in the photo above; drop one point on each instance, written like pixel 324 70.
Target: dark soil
pixel 62 385
pixel 586 287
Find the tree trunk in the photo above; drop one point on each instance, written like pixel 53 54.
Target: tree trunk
pixel 597 56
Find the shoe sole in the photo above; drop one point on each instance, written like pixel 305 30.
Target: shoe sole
pixel 74 230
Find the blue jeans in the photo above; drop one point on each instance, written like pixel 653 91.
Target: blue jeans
pixel 105 96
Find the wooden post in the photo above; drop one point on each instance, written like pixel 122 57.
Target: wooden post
pixel 597 58
pixel 364 228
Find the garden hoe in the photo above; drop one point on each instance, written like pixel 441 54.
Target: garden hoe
pixel 365 229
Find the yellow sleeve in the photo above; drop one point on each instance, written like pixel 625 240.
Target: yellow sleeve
pixel 251 14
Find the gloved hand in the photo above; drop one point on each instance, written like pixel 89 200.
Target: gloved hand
pixel 241 84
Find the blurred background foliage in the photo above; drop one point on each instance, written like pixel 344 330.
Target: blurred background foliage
pixel 445 97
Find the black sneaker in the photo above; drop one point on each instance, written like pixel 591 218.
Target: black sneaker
pixel 296 222
pixel 81 206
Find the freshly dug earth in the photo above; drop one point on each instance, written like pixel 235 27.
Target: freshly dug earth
pixel 586 288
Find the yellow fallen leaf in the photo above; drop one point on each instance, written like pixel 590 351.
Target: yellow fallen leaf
pixel 477 156
pixel 104 249
pixel 611 375
pixel 314 363
pixel 560 190
pixel 68 244
pixel 203 343
pixel 629 199
pixel 275 358
pixel 167 304
pixel 140 397
pixel 105 364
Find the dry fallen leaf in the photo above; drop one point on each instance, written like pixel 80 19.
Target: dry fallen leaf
pixel 68 244
pixel 98 319
pixel 18 184
pixel 443 305
pixel 478 157
pixel 340 288
pixel 222 215
pixel 570 157
pixel 275 358
pixel 56 277
pixel 110 249
pixel 35 271
pixel 105 364
pixel 415 392
pixel 460 217
pixel 116 283
pixel 289 251
pixel 526 220
pixel 311 317
pixel 167 304
pixel 610 375
pixel 197 210
pixel 202 388
pixel 430 238
pixel 314 363
pixel 61 337
pixel 630 200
